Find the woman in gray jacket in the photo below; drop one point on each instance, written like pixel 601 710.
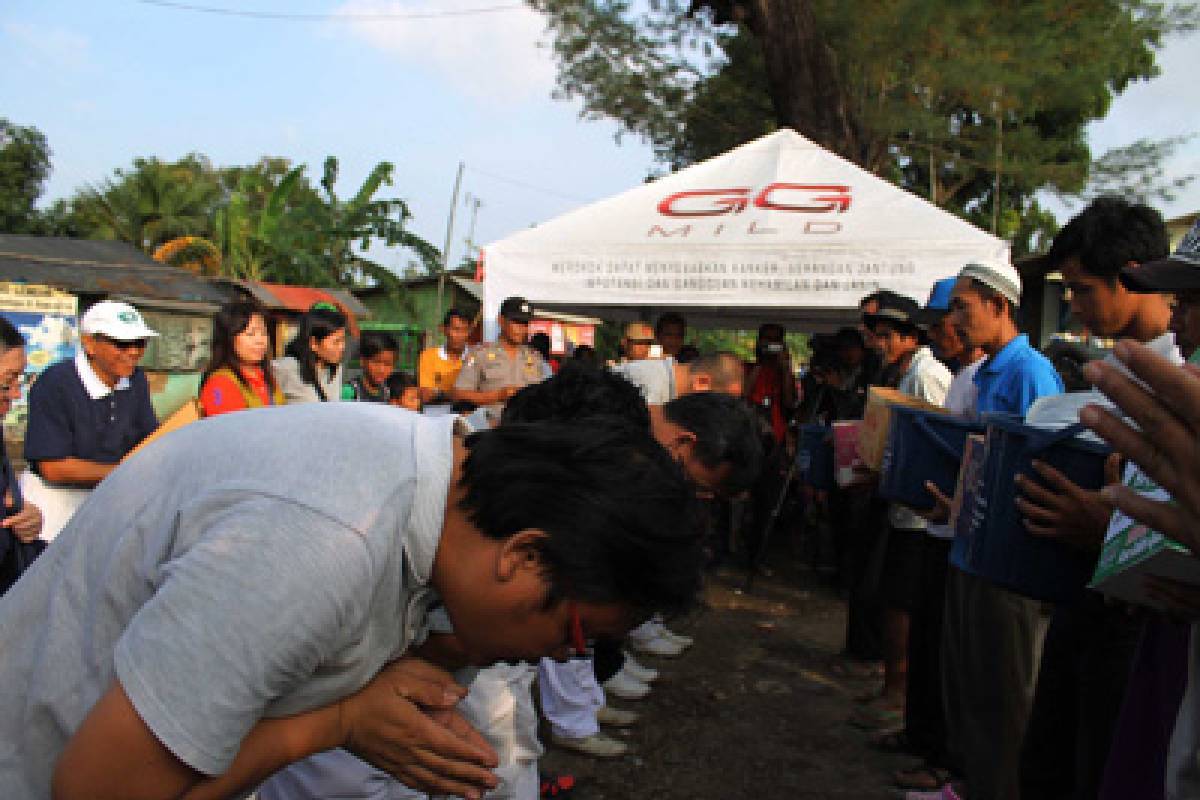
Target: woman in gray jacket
pixel 311 369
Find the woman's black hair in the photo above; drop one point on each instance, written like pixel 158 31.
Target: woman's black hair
pixel 228 322
pixel 10 337
pixel 615 508
pixel 316 323
pixel 372 343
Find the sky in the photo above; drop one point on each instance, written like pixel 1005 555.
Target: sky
pixel 449 82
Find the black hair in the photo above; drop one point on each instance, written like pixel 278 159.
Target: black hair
pixel 372 343
pixel 540 341
pixel 611 501
pixel 771 326
pixel 10 337
pixel 1110 233
pixel 228 322
pixel 316 323
pixel 397 382
pixel 452 314
pixel 848 337
pixel 577 391
pixel 669 318
pixel 687 354
pixel 727 432
pixel 585 353
pixel 987 294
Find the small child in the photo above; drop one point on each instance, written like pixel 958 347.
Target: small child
pixel 403 392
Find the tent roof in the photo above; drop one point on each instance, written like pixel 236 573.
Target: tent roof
pixel 775 229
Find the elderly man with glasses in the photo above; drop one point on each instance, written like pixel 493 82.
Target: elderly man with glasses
pixel 86 414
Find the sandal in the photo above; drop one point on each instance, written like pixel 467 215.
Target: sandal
pixel 556 786
pixel 922 779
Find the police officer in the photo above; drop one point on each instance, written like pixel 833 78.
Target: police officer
pixel 495 371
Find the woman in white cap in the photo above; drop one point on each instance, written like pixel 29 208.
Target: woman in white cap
pixel 86 414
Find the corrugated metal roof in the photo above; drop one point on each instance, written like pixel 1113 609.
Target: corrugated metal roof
pixel 84 266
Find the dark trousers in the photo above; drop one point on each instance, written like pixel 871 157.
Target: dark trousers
pixel 924 714
pixel 861 523
pixel 607 659
pixel 991 647
pixel 1137 760
pixel 764 498
pixel 1086 659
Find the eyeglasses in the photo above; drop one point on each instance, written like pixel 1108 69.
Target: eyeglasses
pixel 120 344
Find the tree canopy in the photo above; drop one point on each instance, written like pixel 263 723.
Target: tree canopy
pixel 975 105
pixel 265 221
pixel 24 168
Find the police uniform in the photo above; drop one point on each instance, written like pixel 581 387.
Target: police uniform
pixel 489 367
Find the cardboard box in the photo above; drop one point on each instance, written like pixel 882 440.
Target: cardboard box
pixel 1132 551
pixel 877 419
pixel 186 414
pixel 845 451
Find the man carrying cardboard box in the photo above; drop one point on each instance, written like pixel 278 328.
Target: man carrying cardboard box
pixel 991 637
pixel 923 377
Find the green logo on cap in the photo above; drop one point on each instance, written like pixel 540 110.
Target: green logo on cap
pixel 128 316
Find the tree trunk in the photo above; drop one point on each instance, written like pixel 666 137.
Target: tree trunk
pixel 802 75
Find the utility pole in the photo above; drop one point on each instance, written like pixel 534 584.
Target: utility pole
pixel 441 302
pixel 473 203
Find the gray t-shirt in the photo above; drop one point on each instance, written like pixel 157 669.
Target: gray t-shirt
pixel 257 564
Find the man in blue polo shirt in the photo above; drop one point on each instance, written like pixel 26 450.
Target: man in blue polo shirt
pixel 991 637
pixel 86 414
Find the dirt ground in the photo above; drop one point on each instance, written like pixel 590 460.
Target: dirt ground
pixel 755 709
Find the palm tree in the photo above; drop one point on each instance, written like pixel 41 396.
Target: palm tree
pixel 152 203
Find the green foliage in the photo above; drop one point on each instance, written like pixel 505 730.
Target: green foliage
pixel 24 168
pixel 1136 172
pixel 267 220
pixel 152 203
pixel 975 105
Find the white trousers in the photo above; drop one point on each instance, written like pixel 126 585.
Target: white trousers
pixel 570 696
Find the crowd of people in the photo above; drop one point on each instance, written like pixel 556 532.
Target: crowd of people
pixel 351 588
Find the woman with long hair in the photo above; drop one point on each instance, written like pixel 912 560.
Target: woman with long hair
pixel 239 374
pixel 311 369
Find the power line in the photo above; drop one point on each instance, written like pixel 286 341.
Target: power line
pixel 530 186
pixel 327 17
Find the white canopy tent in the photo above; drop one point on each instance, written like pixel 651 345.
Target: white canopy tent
pixel 777 229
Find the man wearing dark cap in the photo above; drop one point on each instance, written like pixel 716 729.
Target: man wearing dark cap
pixel 496 371
pixel 895 326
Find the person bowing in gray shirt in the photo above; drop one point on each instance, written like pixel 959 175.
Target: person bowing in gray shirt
pixel 207 617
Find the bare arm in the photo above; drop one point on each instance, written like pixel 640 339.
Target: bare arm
pixel 78 471
pixel 402 721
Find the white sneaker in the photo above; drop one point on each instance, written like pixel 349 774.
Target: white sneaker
pixel 626 687
pixel 660 646
pixel 597 745
pixel 617 717
pixel 640 672
pixel 675 638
